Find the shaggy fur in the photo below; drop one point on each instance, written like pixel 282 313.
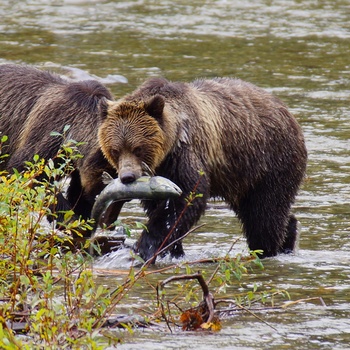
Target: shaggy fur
pixel 33 103
pixel 250 148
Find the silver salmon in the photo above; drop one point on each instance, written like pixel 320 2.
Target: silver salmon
pixel 146 187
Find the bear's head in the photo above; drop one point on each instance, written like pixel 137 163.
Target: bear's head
pixel 131 136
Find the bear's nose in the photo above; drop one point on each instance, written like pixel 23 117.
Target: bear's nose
pixel 127 177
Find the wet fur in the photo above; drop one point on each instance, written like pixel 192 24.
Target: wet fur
pixel 250 148
pixel 33 103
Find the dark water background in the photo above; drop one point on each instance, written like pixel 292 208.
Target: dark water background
pixel 298 50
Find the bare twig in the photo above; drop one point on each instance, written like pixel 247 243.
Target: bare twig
pixel 290 303
pixel 226 256
pixel 170 244
pixel 207 296
pixel 244 309
pixel 257 317
pixel 188 203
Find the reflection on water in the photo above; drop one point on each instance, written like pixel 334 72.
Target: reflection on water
pixel 298 50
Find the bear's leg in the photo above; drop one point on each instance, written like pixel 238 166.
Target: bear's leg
pixel 77 198
pixel 292 235
pixel 163 219
pixel 264 213
pixel 59 208
pixel 73 200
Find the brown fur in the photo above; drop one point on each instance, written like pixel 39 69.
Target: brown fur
pixel 250 148
pixel 129 141
pixel 33 103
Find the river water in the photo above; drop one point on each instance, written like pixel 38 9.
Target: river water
pixel 298 50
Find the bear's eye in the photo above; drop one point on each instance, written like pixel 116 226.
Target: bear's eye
pixel 137 152
pixel 114 154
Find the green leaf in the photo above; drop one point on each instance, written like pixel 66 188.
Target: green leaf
pixel 66 128
pixel 4 138
pixel 55 133
pixel 228 275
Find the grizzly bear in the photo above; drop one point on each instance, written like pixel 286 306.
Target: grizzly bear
pixel 33 103
pixel 222 138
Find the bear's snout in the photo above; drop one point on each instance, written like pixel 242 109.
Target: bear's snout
pixel 127 177
pixel 129 168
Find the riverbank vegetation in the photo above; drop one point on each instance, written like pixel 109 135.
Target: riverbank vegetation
pixel 50 296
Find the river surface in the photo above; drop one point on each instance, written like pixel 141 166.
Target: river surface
pixel 298 50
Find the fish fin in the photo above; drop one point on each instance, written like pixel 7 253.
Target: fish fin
pixel 106 178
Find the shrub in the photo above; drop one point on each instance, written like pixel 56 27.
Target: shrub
pixel 48 292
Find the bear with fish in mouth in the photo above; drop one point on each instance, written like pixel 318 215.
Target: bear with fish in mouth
pixel 220 137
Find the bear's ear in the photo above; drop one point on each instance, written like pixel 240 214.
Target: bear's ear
pixel 154 106
pixel 104 105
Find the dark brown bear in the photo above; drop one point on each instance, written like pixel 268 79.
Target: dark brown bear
pixel 249 147
pixel 33 103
